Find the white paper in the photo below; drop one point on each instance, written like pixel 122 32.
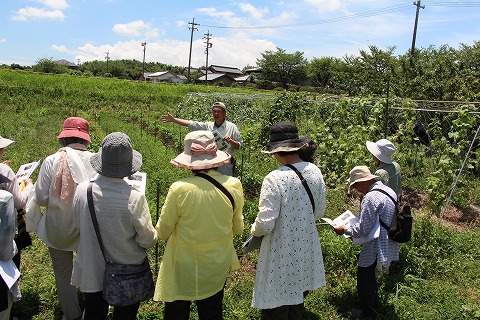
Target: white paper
pixel 343 219
pixel 347 219
pixel 374 233
pixel 26 170
pixel 221 144
pixel 9 272
pixel 138 180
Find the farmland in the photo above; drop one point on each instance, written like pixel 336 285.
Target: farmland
pixel 437 275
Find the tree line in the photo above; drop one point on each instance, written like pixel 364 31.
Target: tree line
pixel 441 74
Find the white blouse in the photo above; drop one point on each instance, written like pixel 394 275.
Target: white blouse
pixel 290 260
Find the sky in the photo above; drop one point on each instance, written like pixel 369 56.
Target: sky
pixel 238 31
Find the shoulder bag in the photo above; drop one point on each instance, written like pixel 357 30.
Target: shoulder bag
pixel 123 284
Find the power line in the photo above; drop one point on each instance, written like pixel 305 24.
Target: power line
pixel 361 15
pixel 366 14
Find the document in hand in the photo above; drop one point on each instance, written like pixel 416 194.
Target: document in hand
pixel 348 218
pixel 26 170
pixel 9 272
pixel 138 180
pixel 252 243
pixel 221 144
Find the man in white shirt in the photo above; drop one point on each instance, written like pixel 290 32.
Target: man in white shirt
pixel 226 133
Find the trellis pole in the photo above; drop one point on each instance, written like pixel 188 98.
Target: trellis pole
pixel 458 176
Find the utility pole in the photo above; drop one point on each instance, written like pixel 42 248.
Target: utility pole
pixel 144 45
pixel 107 58
pixel 208 46
pixel 418 5
pixel 191 41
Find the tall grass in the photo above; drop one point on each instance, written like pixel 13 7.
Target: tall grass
pixel 436 277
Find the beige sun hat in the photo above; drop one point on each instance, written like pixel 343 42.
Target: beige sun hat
pixel 383 150
pixel 4 142
pixel 358 174
pixel 219 104
pixel 200 152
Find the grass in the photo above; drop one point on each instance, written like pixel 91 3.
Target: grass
pixel 436 277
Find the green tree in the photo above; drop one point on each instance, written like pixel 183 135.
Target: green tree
pixel 468 75
pixel 320 71
pixel 376 68
pixel 281 67
pixel 429 74
pixel 47 65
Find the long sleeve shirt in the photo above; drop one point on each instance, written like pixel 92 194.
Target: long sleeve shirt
pixel 374 206
pixel 125 225
pixel 56 227
pixel 391 176
pixel 290 260
pixel 199 223
pixel 19 196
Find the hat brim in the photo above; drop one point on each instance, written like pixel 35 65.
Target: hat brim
pixel 116 170
pixel 366 178
pixel 4 142
pixel 201 162
pixel 373 148
pixel 74 134
pixel 283 146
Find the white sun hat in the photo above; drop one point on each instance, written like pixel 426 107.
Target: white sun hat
pixel 383 150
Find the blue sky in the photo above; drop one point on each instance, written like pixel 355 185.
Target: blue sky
pixel 85 30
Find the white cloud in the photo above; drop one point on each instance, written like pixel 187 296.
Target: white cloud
pixel 54 4
pixel 2 40
pixel 27 13
pixel 136 28
pixel 212 12
pixel 181 23
pixel 325 5
pixel 61 48
pixel 254 12
pixel 237 50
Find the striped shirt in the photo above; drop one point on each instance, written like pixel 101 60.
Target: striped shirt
pixel 375 205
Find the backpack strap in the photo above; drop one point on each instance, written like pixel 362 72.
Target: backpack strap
pixel 305 184
pixel 218 185
pixel 383 224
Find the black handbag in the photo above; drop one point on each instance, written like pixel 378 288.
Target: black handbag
pixel 123 284
pixel 22 238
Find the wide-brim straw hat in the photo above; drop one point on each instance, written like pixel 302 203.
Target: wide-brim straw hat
pixel 75 127
pixel 283 138
pixel 4 142
pixel 358 174
pixel 383 150
pixel 116 158
pixel 200 152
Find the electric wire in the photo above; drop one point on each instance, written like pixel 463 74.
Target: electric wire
pixel 361 15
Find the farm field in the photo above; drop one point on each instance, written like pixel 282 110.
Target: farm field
pixel 437 275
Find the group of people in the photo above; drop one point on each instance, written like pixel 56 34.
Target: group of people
pixel 199 218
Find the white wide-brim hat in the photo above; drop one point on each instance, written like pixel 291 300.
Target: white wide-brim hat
pixel 383 150
pixel 4 142
pixel 358 174
pixel 200 152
